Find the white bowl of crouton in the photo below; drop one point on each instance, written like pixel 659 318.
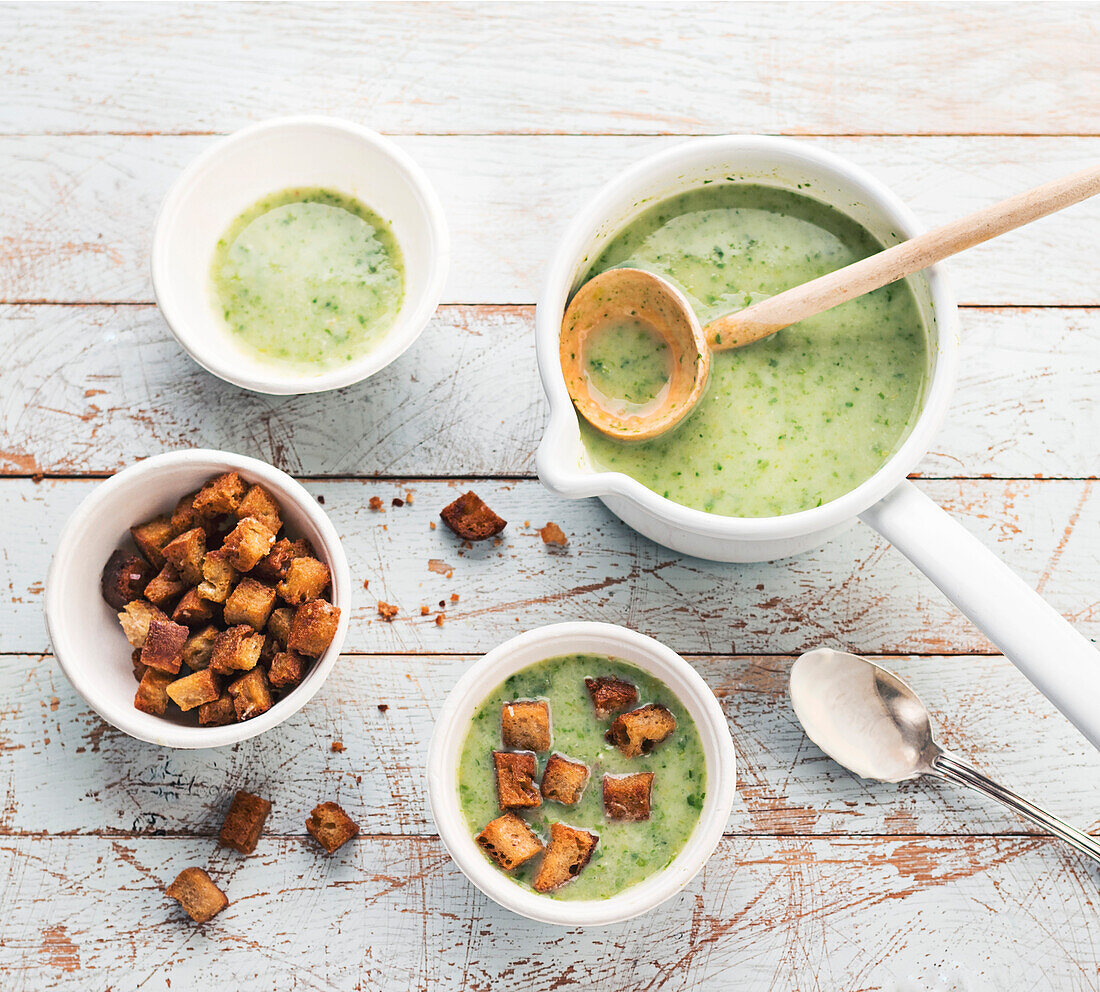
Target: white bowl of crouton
pixel 198 598
pixel 473 718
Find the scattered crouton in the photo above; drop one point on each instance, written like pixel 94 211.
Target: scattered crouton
pixel 287 669
pixel 641 730
pixel 278 626
pixel 199 647
pixel 525 725
pixel 250 602
pixel 337 747
pixel 259 504
pixel 610 694
pixel 251 694
pixel 516 788
pixel 124 578
pixel 218 713
pixel 236 649
pixel 247 543
pixel 439 620
pixel 163 647
pixel 471 519
pixel 151 536
pixel 306 579
pixel 186 553
pixel 220 496
pixel 152 692
pixel 440 567
pixel 218 576
pixel 553 534
pixel 626 797
pixel 563 780
pixel 509 841
pixel 331 827
pixel 568 852
pixel 165 587
pixel 424 611
pixel 194 689
pixel 192 609
pixel 135 619
pixel 313 628
pixel 244 822
pixel 196 892
pixel 375 503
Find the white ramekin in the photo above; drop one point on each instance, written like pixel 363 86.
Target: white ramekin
pixel 235 172
pixel 87 638
pixel 651 656
pixel 562 462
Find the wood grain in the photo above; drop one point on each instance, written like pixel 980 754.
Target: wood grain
pixel 856 593
pixel 64 771
pixel 816 914
pixel 77 213
pixel 94 388
pixel 625 68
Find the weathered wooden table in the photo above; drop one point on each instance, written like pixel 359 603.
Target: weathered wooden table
pixel 518 113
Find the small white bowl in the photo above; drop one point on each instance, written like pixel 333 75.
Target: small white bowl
pixel 652 657
pixel 87 638
pixel 235 172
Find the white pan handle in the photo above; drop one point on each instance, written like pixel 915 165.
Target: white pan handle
pixel 1062 664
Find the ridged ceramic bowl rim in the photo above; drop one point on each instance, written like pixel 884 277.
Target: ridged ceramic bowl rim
pixel 651 656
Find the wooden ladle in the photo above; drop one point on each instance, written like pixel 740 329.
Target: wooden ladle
pixel 635 295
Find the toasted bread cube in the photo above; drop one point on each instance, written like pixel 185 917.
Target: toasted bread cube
pixel 218 713
pixel 641 730
pixel 278 626
pixel 516 788
pixel 282 553
pixel 525 725
pixel 192 609
pixel 151 536
pixel 568 852
pixel 220 495
pixel 163 647
pixel 218 576
pixel 609 694
pixel 251 694
pixel 509 841
pixel 247 543
pixel 306 579
pixel 138 667
pixel 563 780
pixel 186 552
pixel 124 578
pixel 331 827
pixel 152 692
pixel 135 619
pixel 471 519
pixel 199 648
pixel 287 669
pixel 165 586
pixel 626 797
pixel 313 628
pixel 236 649
pixel 194 689
pixel 250 603
pixel 196 892
pixel 184 516
pixel 244 822
pixel 259 504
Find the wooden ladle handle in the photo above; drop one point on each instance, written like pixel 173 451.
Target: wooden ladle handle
pixel 761 319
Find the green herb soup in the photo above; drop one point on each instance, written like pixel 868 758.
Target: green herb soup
pixel 799 418
pixel 309 278
pixel 627 851
pixel 628 366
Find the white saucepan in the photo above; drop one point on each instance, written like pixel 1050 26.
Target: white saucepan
pixel 1061 663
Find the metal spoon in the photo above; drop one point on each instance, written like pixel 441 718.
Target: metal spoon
pixel 618 294
pixel 872 723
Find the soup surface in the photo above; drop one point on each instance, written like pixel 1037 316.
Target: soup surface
pixel 627 851
pixel 308 278
pixel 799 418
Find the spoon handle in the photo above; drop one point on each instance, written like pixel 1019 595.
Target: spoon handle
pixel 951 768
pixel 761 319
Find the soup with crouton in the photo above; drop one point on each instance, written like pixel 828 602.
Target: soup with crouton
pixel 581 776
pixel 308 278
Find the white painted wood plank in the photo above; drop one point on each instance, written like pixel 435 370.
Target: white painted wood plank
pixel 62 770
pixel 77 213
pixel 855 593
pixel 628 68
pixel 91 389
pixel 824 914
